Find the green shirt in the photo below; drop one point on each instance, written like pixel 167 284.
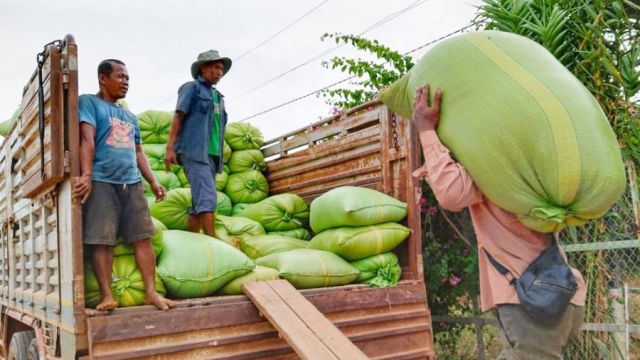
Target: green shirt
pixel 214 142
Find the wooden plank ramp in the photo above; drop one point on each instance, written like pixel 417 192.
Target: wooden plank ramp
pixel 311 335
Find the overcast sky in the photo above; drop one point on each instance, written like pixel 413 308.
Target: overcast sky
pixel 158 40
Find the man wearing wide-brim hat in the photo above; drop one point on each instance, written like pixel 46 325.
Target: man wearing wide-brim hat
pixel 197 137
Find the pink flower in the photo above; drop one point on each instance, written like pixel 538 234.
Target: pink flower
pixel 432 211
pixel 335 110
pixel 454 281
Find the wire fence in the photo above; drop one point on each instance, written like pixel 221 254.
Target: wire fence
pixel 607 253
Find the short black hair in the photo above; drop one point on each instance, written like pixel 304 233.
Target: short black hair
pixel 106 66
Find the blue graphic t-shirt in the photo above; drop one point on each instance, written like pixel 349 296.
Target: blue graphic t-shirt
pixel 117 132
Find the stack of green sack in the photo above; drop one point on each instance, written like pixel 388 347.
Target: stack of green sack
pixel 361 225
pixel 282 214
pixel 127 285
pixel 245 184
pixel 7 125
pixel 173 211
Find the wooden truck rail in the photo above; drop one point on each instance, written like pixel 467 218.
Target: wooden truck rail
pixel 41 260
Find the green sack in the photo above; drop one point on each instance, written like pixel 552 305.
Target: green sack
pixel 308 268
pixel 354 206
pixel 221 180
pixel 302 233
pixel 224 205
pixel 225 168
pixel 245 160
pixel 259 246
pixel 155 126
pixel 227 153
pixel 237 208
pixel 7 125
pixel 353 243
pixel 127 285
pixel 233 229
pixel 122 248
pixel 243 136
pixel 168 180
pixel 532 137
pixel 173 211
pixel 260 273
pixel 195 265
pixel 379 270
pixel 155 157
pixel 182 176
pixel 279 212
pixel 247 187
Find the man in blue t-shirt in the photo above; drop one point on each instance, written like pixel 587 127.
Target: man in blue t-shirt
pixel 197 137
pixel 110 187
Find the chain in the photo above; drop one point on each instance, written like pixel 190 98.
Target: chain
pixel 394 127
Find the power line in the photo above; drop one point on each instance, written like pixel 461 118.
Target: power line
pixel 351 77
pixel 375 25
pixel 281 31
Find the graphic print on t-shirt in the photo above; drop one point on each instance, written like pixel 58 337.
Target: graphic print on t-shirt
pixel 120 134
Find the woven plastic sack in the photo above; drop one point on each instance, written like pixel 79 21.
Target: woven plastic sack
pixel 354 206
pixel 279 212
pixel 233 229
pixel 243 136
pixel 155 126
pixel 227 153
pixel 182 176
pixel 532 137
pixel 237 208
pixel 7 125
pixel 167 179
pixel 302 233
pixel 353 243
pixel 127 285
pixel 379 270
pixel 259 246
pixel 195 265
pixel 245 160
pixel 247 187
pixel 122 248
pixel 173 211
pixel 260 273
pixel 224 206
pixel 221 180
pixel 308 268
pixel 155 157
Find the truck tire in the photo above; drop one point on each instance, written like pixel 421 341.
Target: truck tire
pixel 19 345
pixel 33 353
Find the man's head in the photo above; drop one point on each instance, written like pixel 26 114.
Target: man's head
pixel 211 66
pixel 113 79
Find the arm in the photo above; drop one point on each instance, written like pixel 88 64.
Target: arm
pixel 147 174
pixel 82 186
pixel 176 125
pixel 450 183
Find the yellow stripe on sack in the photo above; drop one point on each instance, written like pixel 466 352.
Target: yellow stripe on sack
pixel 569 166
pixel 379 235
pixel 325 272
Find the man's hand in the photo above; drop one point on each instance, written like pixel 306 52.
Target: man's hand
pixel 170 158
pixel 426 117
pixel 82 188
pixel 158 191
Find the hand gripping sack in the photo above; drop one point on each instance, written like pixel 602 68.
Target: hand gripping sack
pixel 279 212
pixel 354 206
pixel 308 268
pixel 530 135
pixel 195 265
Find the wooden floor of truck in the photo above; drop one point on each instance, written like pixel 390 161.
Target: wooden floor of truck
pixel 307 330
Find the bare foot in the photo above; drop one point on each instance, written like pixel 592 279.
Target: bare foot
pixel 158 301
pixel 107 303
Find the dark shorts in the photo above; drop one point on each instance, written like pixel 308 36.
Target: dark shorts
pixel 202 179
pixel 114 210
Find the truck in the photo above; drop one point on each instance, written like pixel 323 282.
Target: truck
pixel 43 312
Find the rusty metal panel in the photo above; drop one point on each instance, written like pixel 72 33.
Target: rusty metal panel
pixel 384 323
